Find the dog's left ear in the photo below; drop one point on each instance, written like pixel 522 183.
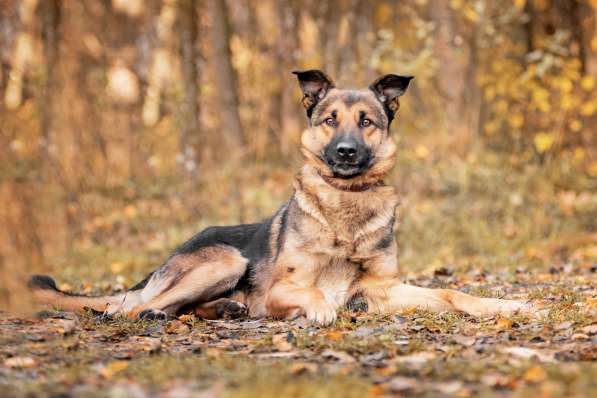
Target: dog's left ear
pixel 315 84
pixel 387 89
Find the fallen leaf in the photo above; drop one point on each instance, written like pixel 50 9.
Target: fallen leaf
pixel 152 344
pixel 448 387
pixel 504 324
pixel 563 325
pixel 66 327
pixel 590 330
pixel 527 353
pixel 400 384
pixel 112 368
pixel 579 336
pixel 187 318
pixel 466 341
pixel 335 335
pixel 177 327
pixel 20 362
pixel 281 342
pixel 303 367
pixel 535 374
pixel 418 358
pixel 340 356
pixel 377 390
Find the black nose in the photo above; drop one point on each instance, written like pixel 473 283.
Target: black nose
pixel 346 150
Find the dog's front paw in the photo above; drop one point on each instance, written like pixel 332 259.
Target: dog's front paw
pixel 322 314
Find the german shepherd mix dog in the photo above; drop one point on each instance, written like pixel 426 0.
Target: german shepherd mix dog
pixel 333 241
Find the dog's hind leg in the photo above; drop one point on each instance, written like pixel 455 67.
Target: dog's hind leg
pixel 186 278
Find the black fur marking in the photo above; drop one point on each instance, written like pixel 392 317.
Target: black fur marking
pixel 143 283
pixel 42 282
pixel 352 98
pixel 386 241
pixel 388 238
pixel 257 250
pixel 237 236
pixel 282 230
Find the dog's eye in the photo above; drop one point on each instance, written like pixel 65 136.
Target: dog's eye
pixel 330 121
pixel 365 122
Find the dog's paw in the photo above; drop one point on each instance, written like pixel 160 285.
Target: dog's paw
pixel 323 314
pixel 153 315
pixel 231 309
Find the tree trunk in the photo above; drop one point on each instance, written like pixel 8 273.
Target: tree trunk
pixel 189 113
pixel 50 13
pixel 451 81
pixel 225 78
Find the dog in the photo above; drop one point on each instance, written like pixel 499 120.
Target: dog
pixel 332 242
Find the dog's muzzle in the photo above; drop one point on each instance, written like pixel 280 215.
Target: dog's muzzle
pixel 347 156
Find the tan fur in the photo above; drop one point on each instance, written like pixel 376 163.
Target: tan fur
pixel 200 276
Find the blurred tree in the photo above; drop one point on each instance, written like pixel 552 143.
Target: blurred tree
pixel 105 104
pixel 225 76
pixel 189 112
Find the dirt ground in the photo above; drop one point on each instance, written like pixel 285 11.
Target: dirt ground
pixel 415 353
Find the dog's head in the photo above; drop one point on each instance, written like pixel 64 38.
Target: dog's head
pixel 348 139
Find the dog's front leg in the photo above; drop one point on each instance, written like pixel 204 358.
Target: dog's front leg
pixel 288 300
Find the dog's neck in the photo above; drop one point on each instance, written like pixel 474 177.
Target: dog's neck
pixel 358 187
pixel 344 211
pixel 311 174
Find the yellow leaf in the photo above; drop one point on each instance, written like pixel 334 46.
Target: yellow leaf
pixel 280 341
pixel 112 368
pixel 567 102
pixel 516 120
pixel 588 108
pixel 587 83
pixel 377 390
pixel 543 142
pixel 504 324
pixel 566 85
pixel 544 106
pixel 489 93
pixel 422 152
pixel 575 125
pixel 116 267
pixel 334 335
pixel 65 287
pixel 186 318
pixel 502 106
pixel 456 4
pixel 519 4
pixel 535 374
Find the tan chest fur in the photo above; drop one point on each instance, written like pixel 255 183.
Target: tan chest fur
pixel 342 224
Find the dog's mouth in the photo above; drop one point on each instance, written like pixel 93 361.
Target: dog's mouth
pixel 347 170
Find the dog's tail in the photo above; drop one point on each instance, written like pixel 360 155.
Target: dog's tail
pixel 46 292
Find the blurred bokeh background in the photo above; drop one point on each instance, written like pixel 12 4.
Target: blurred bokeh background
pixel 128 125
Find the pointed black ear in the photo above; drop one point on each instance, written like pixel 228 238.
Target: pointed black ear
pixel 315 84
pixel 387 89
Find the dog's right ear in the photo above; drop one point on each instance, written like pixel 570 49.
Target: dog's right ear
pixel 315 84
